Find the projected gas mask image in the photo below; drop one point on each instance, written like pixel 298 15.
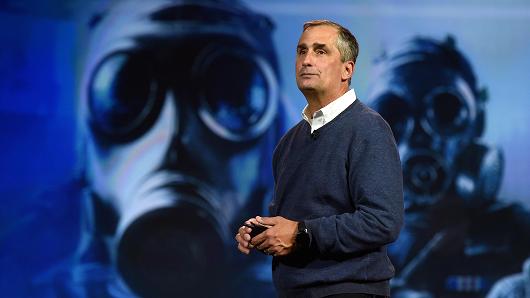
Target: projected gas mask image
pixel 180 112
pixel 429 97
pixel 458 237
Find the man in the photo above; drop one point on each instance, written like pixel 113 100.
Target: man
pixel 338 197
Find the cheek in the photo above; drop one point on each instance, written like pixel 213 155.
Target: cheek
pixel 339 70
pixel 331 75
pixel 298 65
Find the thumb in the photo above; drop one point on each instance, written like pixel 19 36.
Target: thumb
pixel 269 221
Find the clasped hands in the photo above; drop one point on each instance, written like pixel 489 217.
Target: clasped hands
pixel 277 240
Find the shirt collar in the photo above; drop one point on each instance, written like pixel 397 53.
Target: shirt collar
pixel 330 111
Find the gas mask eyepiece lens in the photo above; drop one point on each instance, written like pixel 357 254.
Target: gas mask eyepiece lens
pixel 236 94
pixel 121 95
pixel 447 113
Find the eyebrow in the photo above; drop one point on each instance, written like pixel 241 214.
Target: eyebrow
pixel 315 45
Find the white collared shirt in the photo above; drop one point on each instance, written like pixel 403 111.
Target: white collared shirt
pixel 330 111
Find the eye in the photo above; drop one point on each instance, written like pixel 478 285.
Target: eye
pixel 301 51
pixel 447 112
pixel 238 94
pixel 320 52
pixel 121 96
pixel 396 112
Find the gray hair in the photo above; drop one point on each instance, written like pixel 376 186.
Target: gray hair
pixel 346 41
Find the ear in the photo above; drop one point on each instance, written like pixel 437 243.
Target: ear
pixel 347 70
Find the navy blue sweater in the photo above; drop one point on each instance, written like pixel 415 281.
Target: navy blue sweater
pixel 346 184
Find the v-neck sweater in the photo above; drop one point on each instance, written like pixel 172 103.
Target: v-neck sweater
pixel 345 182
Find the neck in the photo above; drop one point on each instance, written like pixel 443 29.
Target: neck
pixel 317 100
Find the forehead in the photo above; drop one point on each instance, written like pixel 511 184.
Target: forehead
pixel 322 34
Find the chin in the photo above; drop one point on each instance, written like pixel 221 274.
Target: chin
pixel 306 86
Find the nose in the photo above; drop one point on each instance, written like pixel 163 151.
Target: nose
pixel 307 59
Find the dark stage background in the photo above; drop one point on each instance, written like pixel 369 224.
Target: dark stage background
pixel 136 136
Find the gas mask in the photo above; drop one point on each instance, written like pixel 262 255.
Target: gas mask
pixel 180 113
pixel 426 91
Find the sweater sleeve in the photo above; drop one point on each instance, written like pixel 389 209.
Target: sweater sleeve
pixel 376 188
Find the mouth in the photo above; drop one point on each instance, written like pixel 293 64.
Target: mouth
pixel 308 74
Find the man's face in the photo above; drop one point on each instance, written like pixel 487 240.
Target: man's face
pixel 318 63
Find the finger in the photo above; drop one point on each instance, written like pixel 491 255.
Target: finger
pixel 244 230
pixel 253 221
pixel 268 221
pixel 265 245
pixel 261 245
pixel 239 239
pixel 243 249
pixel 258 239
pixel 247 237
pixel 242 241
